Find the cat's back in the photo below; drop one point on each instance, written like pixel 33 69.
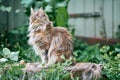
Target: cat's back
pixel 61 31
pixel 60 28
pixel 62 40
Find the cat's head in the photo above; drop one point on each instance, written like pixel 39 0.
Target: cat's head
pixel 39 19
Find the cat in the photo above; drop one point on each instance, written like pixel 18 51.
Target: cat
pixel 86 71
pixel 49 42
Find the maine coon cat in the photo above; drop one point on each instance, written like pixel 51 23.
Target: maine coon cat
pixel 49 42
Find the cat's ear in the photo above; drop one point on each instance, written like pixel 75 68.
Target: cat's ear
pixel 41 11
pixel 32 11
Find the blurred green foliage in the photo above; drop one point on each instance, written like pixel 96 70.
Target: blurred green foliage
pixel 4 8
pixel 108 56
pixel 56 10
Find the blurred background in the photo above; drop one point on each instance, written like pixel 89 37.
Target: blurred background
pixel 90 18
pixel 95 18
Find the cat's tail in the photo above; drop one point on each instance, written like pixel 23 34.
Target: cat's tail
pixel 92 73
pixel 88 71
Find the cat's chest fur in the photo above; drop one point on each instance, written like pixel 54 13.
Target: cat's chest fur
pixel 40 39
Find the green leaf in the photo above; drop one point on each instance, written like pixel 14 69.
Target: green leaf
pixel 17 10
pixel 3 8
pixel 66 75
pixel 47 0
pixel 63 57
pixel 117 50
pixel 48 8
pixel 2 60
pixel 14 56
pixel 75 53
pixel 6 52
pixel 63 4
pixel 26 3
pixel 62 17
pixel 106 57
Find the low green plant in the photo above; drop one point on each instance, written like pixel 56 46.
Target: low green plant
pixel 87 53
pixel 8 55
pixel 108 56
pixel 55 72
pixel 111 57
pixel 11 72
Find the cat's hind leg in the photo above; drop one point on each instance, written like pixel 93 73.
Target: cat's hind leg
pixel 55 50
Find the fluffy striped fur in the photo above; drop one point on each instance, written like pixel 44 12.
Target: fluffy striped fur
pixel 86 71
pixel 49 42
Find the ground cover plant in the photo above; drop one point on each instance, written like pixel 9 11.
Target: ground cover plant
pixel 108 56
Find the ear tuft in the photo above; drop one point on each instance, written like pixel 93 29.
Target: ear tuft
pixel 41 10
pixel 32 11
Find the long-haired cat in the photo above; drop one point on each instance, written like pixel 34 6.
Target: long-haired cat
pixel 49 42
